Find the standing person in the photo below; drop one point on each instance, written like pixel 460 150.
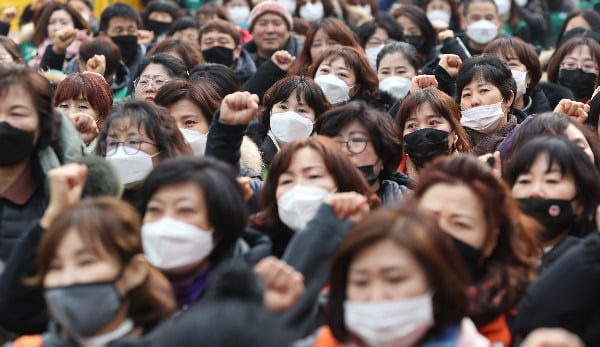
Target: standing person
pixel 375 34
pixel 482 25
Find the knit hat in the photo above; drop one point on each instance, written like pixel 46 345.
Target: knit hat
pixel 269 6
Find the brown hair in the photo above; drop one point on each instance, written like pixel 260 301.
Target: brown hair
pixel 11 48
pixel 201 94
pixel 110 226
pixel 507 48
pixel 416 232
pixel 568 47
pixel 366 79
pixel 188 54
pixel 90 87
pixel 442 105
pixel 335 29
pixel 41 23
pixel 510 249
pixel 221 26
pixel 104 46
pixel 346 176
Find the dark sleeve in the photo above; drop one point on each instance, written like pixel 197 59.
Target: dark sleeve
pixel 566 295
pixel 267 74
pixel 260 245
pixel 454 45
pixel 310 252
pixel 51 60
pixel 224 141
pixel 446 83
pixel 4 28
pixel 21 306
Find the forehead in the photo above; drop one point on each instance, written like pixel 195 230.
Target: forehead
pixel 16 94
pixel 127 124
pixel 580 52
pixel 481 8
pixel 394 59
pixel 451 198
pixel 215 34
pixel 304 157
pixel 155 70
pixel 336 62
pixel 60 14
pixel 121 21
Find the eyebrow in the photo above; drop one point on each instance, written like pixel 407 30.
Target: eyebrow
pixel 303 169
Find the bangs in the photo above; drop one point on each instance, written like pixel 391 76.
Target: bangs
pixel 124 121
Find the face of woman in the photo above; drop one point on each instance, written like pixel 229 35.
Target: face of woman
pixel 543 181
pixel 307 168
pixel 152 78
pixel 78 105
pixel 383 272
pixel 479 93
pixel 513 62
pixel 321 43
pixel 425 117
pixel 580 57
pixel 124 132
pixel 379 37
pixel 439 5
pixel 576 136
pixel 189 116
pixel 459 212
pixel 293 104
pixel 577 22
pixel 410 27
pixel 354 140
pixel 17 109
pixel 395 64
pixel 340 69
pixel 59 19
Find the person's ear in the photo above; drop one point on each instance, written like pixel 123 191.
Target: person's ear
pixel 134 274
pixel 509 101
pixel 236 52
pixel 354 90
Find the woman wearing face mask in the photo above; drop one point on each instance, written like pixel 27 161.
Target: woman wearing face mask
pixel 443 14
pixel 98 287
pixel 396 64
pixel 575 65
pixel 429 125
pixel 288 113
pixel 315 10
pixel 135 137
pixel 485 91
pixel 153 72
pixel 158 16
pixel 371 141
pixel 300 176
pixel 375 34
pixel 557 184
pixel 397 281
pixel 87 99
pixel 526 70
pixel 238 12
pixel 194 218
pixel 323 35
pixel 344 74
pixel 496 240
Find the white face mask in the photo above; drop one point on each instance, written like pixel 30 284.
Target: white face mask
pixel 482 31
pixel 372 53
pixel 438 15
pixel 521 80
pixel 484 119
pixel 170 244
pixel 238 14
pixel 196 140
pixel 396 86
pixel 521 3
pixel 312 12
pixel 503 7
pixel 132 169
pixel 336 91
pixel 290 5
pixel 299 205
pixel 365 8
pixel 290 126
pixel 390 323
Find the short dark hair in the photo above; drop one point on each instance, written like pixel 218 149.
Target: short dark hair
pixel 591 17
pixel 227 210
pixel 567 47
pixel 489 68
pixel 507 47
pixel 382 20
pixel 183 23
pixel 417 233
pixel 190 56
pixel 202 95
pixel 118 10
pixel 408 51
pixel 174 66
pixel 222 77
pixel 570 159
pixel 166 6
pixel 418 16
pixel 41 24
pixel 221 26
pixel 380 127
pixel 104 46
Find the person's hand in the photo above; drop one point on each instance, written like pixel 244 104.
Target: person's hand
pixel 421 82
pixel 245 183
pixel 66 184
pixel 493 161
pixel 451 63
pixel 444 34
pixel 552 337
pixel 62 39
pixel 577 110
pixel 8 14
pixel 284 285
pixel 239 108
pixel 86 126
pixel 283 59
pixel 96 64
pixel 349 205
pixel 145 37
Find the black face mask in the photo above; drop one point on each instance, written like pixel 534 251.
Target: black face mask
pixel 556 215
pixel 471 257
pixel 368 172
pixel 128 46
pixel 219 55
pixel 15 144
pixel 580 83
pixel 157 27
pixel 425 144
pixel 415 41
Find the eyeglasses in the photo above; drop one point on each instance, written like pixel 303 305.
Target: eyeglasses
pixel 589 68
pixel 355 145
pixel 130 146
pixel 144 82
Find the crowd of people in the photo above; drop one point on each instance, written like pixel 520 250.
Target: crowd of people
pixel 369 173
